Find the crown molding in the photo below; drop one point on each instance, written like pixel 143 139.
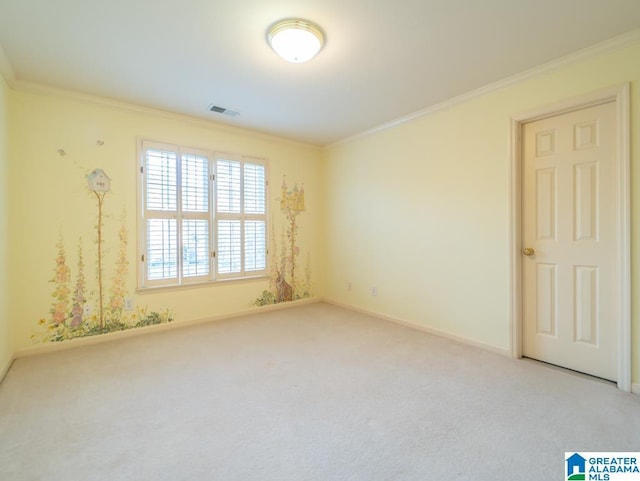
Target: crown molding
pixel 6 70
pixel 41 89
pixel 614 43
pixel 608 45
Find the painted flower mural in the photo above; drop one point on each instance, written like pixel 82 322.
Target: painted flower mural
pixel 285 282
pixel 61 279
pixel 79 299
pixel 80 313
pixel 118 291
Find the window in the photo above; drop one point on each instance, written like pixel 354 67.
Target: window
pixel 203 216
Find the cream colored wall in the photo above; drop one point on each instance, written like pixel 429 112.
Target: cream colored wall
pixel 5 328
pixel 421 211
pixel 49 199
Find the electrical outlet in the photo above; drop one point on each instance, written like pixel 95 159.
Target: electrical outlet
pixel 374 291
pixel 128 304
pixel 86 310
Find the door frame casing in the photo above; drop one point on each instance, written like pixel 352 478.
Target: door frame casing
pixel 620 96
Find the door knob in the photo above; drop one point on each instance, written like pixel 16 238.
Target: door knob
pixel 528 251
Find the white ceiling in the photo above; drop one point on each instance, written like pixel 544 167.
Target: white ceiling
pixel 383 59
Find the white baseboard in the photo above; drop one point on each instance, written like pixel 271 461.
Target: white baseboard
pixel 112 336
pixel 635 387
pixel 420 327
pixel 86 341
pixel 4 368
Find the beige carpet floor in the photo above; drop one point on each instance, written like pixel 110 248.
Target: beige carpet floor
pixel 310 393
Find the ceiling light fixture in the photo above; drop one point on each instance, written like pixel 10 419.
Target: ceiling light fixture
pixel 296 41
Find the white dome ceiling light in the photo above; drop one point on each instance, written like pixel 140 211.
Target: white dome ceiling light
pixel 296 41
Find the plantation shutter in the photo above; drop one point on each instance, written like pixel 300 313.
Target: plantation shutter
pixel 191 232
pixel 160 209
pixel 255 248
pixel 241 217
pixel 195 217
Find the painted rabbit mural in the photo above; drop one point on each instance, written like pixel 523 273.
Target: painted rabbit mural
pixel 285 282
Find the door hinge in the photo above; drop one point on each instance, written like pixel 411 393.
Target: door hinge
pixel 142 258
pixel 212 177
pixel 142 169
pixel 213 254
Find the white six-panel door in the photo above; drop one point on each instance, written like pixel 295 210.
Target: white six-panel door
pixel 569 240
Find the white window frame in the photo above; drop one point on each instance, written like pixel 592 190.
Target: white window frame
pixel 212 216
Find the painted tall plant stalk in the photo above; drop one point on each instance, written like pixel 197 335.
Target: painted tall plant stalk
pixel 118 291
pixel 79 299
pixel 100 197
pixel 292 205
pixel 60 309
pixel 99 183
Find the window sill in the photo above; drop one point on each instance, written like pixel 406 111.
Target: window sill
pixel 199 285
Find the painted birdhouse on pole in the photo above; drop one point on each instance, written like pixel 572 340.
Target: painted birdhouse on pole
pixel 99 181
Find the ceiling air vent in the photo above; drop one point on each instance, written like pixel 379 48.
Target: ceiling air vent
pixel 222 110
